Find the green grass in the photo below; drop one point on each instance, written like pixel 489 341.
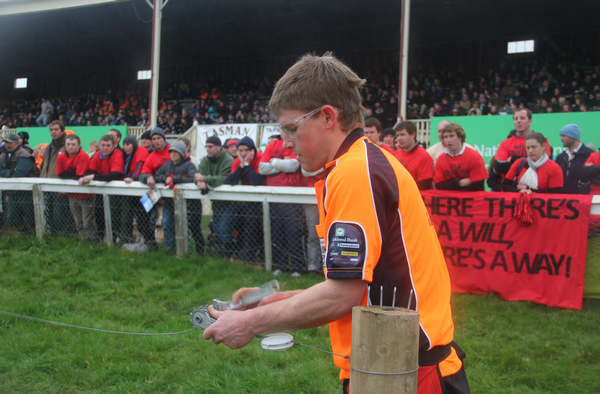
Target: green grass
pixel 512 347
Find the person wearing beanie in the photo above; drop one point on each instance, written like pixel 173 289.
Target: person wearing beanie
pixel 24 140
pixel 244 170
pixel 231 147
pixel 179 169
pixel 572 159
pixel 147 141
pixel 389 137
pixel 153 163
pixel 17 162
pixel 134 158
pixel 212 172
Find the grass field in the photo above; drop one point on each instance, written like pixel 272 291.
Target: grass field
pixel 512 347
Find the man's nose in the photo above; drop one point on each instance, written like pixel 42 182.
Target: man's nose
pixel 287 141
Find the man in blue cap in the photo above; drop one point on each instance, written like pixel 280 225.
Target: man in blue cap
pixel 575 154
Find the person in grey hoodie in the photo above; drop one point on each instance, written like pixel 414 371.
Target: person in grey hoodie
pixel 46 110
pixel 178 170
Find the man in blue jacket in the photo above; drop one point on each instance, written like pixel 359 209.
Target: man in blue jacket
pixel 572 158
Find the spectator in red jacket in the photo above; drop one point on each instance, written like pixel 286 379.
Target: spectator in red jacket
pixel 413 157
pixel 245 170
pixel 105 166
pixel 372 131
pixel 134 159
pixel 154 161
pixel 73 165
pixel 459 168
pixel 282 169
pixel 536 173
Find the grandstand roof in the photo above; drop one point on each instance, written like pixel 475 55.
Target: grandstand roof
pixel 114 35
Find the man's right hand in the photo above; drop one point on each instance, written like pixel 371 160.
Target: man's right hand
pixel 150 182
pixel 199 177
pixel 464 182
pixel 201 185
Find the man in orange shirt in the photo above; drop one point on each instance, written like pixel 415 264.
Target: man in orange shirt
pixel 412 156
pixel 367 200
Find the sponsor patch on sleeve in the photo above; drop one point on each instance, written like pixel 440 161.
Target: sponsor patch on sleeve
pixel 346 251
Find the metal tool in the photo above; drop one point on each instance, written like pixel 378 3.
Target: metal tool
pixel 249 298
pixel 201 318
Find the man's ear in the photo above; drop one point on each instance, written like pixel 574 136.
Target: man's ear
pixel 331 115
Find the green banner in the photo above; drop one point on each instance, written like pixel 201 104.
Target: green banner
pixel 39 135
pixel 486 133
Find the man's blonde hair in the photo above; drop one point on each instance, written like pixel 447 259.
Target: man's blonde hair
pixel 315 81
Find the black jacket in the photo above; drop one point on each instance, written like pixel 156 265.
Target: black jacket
pixel 570 169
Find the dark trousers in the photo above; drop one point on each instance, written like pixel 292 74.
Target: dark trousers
pixel 194 218
pixel 146 222
pixel 58 213
pixel 287 231
pixel 20 211
pixel 252 231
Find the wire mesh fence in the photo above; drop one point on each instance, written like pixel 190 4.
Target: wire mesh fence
pixel 240 227
pixel 249 225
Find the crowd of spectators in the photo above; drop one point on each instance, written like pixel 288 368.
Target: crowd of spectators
pixel 538 86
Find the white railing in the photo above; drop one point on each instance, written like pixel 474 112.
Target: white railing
pixel 261 194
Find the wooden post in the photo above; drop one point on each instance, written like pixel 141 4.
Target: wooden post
pixel 181 225
pixel 385 346
pixel 108 221
pixel 39 206
pixel 267 236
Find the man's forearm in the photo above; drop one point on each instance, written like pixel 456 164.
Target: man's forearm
pixel 313 307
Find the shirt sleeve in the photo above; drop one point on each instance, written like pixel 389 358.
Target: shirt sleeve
pixel 555 177
pixel 117 163
pixel 60 167
pixel 268 153
pixel 478 171
pixel 425 170
pixel 440 166
pixel 512 173
pixel 351 229
pixel 83 163
pixel 95 163
pixel 502 154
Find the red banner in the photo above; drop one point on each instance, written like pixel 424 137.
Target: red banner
pixel 487 250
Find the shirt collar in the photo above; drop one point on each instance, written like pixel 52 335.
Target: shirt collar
pixel 350 139
pixel 459 153
pixel 572 153
pixel 354 136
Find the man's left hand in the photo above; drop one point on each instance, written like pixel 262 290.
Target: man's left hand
pixel 232 328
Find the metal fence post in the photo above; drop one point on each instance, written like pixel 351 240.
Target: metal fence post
pixel 108 221
pixel 181 225
pixel 267 236
pixel 39 206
